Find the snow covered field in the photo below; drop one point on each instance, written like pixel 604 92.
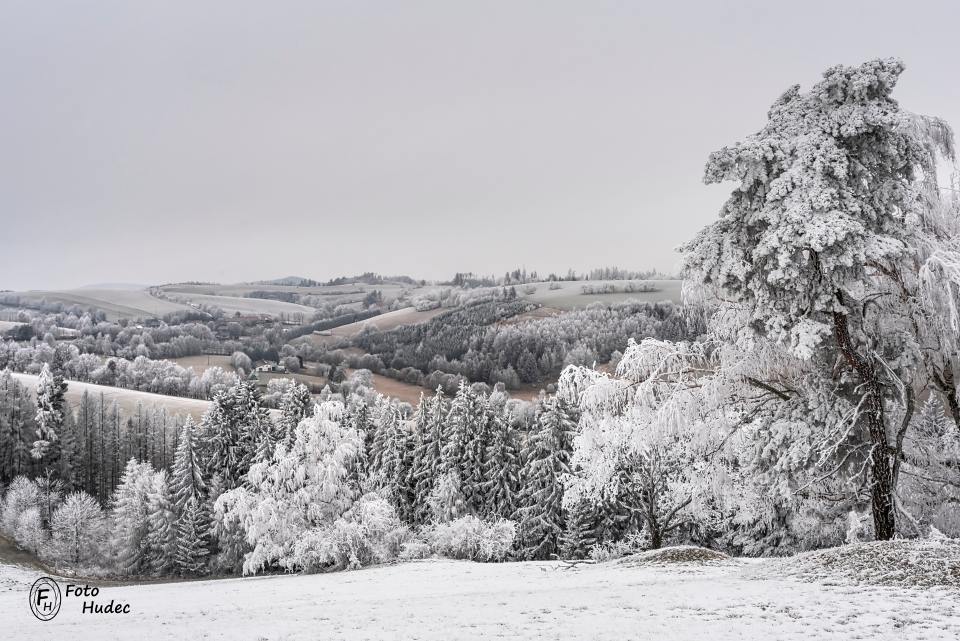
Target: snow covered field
pixel 450 600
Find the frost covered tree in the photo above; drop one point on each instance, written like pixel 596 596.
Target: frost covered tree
pixel 29 532
pixel 583 529
pixel 295 404
pixel 929 473
pixel 304 487
pixel 76 526
pixel 161 539
pixel 464 443
pixel 546 465
pixel 130 517
pixel 819 247
pixel 50 412
pixel 501 469
pixel 232 432
pixel 446 501
pixel 191 542
pixel 186 480
pixel 50 493
pixel 428 461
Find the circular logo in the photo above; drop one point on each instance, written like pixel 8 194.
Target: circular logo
pixel 45 598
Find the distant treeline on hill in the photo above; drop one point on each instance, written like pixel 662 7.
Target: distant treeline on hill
pixel 372 278
pixel 521 276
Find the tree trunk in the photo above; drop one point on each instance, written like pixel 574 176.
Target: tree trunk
pixel 656 539
pixel 881 487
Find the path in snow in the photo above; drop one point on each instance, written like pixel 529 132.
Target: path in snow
pixel 448 600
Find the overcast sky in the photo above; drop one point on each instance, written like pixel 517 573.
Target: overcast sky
pixel 161 141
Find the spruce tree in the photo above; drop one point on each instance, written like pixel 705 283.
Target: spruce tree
pixel 232 432
pixel 501 470
pixel 584 528
pixel 187 477
pixel 190 557
pixel 428 463
pixel 546 460
pixel 464 440
pixel 130 517
pixel 295 404
pixel 160 542
pixel 49 417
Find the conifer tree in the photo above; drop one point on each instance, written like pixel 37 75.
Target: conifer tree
pixel 161 539
pixel 187 478
pixel 584 526
pixel 130 517
pixel 466 424
pixel 546 460
pixel 49 418
pixel 501 471
pixel 232 431
pixel 295 404
pixel 190 557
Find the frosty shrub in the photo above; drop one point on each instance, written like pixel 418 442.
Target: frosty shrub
pixel 414 550
pixel 29 533
pixel 473 539
pixel 369 532
pixel 446 501
pixel 77 528
pixel 611 550
pixel 21 496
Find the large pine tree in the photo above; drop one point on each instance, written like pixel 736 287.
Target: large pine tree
pixel 546 460
pixel 187 476
pixel 160 541
pixel 501 471
pixel 428 460
pixel 190 556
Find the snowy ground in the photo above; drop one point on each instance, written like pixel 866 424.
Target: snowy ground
pixel 460 600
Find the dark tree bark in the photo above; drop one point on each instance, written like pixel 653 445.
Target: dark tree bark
pixel 881 487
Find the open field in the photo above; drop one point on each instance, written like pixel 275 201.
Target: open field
pixel 202 362
pixel 8 325
pixel 127 399
pixel 411 393
pixel 450 600
pixel 337 294
pixel 384 322
pixel 569 294
pixel 233 304
pixel 307 379
pixel 116 303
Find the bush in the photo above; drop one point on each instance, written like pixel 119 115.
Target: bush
pixel 473 539
pixel 369 532
pixel 611 550
pixel 414 550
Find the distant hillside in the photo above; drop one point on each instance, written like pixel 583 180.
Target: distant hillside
pixel 290 281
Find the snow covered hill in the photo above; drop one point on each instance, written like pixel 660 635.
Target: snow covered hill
pixel 448 600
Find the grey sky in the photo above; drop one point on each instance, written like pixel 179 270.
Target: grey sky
pixel 239 140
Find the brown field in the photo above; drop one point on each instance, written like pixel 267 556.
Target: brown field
pixel 411 393
pixel 202 362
